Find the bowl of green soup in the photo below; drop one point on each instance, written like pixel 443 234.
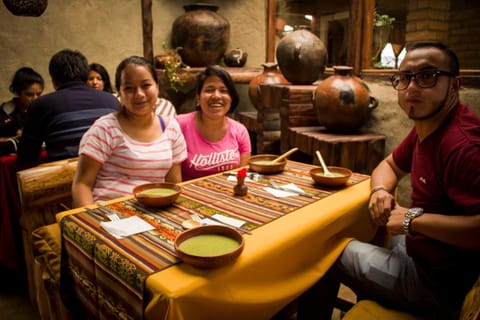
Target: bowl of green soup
pixel 262 163
pixel 339 176
pixel 157 194
pixel 209 246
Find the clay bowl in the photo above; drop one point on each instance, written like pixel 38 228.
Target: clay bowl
pixel 257 164
pixel 223 247
pixel 157 194
pixel 341 176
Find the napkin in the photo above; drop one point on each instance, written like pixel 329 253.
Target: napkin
pixel 284 193
pixel 126 227
pixel 221 219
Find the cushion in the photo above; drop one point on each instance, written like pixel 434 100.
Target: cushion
pixel 46 241
pixel 371 310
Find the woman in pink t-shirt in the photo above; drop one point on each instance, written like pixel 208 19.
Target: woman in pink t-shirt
pixel 215 142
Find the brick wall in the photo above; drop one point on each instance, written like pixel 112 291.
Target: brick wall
pixel 457 27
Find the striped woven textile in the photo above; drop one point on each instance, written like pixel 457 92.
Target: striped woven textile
pixel 107 275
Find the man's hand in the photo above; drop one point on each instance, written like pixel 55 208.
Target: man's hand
pixel 380 207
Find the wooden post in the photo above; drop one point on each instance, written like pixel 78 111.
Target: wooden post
pixel 367 33
pixel 271 16
pixel 147 27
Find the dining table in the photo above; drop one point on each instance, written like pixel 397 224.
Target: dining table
pixel 289 244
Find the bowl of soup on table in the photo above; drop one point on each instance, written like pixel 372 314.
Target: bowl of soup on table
pixel 339 176
pixel 262 163
pixel 209 246
pixel 157 194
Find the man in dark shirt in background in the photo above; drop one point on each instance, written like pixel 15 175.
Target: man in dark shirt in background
pixel 61 118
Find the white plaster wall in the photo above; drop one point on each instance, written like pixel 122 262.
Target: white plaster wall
pixel 107 31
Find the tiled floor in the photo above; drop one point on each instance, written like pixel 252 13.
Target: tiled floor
pixel 14 301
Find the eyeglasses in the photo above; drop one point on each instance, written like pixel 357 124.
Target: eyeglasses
pixel 424 79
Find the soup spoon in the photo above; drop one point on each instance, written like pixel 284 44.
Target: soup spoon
pixel 194 221
pixel 283 156
pixel 326 172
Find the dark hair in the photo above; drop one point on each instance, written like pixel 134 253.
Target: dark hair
pixel 141 61
pixel 451 55
pixel 68 65
pixel 23 78
pixel 98 68
pixel 217 71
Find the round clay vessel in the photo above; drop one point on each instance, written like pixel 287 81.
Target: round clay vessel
pixel 202 34
pixel 301 57
pixel 235 58
pixel 343 102
pixel 269 75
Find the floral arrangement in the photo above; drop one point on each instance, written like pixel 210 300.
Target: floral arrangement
pixel 242 173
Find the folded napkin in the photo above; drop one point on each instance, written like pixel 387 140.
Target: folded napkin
pixel 126 227
pixel 284 193
pixel 222 220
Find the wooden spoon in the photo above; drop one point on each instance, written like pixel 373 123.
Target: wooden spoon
pixel 326 172
pixel 283 156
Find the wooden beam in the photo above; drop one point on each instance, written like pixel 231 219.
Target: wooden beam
pixel 367 36
pixel 147 27
pixel 271 17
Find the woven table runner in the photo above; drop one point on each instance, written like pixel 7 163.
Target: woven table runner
pixel 107 274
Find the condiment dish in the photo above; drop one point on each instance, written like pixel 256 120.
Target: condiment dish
pixel 157 194
pixel 339 178
pixel 262 163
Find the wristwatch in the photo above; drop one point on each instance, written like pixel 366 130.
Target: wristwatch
pixel 411 214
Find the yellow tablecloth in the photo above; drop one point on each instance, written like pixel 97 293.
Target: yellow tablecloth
pixel 280 261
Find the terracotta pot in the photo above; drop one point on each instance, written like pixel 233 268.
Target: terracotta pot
pixel 301 57
pixel 270 75
pixel 235 58
pixel 32 8
pixel 161 60
pixel 343 102
pixel 202 34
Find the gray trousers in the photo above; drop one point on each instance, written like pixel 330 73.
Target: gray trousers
pixel 385 275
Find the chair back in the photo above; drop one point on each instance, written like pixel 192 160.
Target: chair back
pixel 44 191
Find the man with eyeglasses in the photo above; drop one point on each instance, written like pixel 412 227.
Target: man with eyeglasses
pixel 434 258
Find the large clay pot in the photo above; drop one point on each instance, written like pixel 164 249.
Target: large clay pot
pixel 202 34
pixel 301 56
pixel 269 75
pixel 343 102
pixel 31 8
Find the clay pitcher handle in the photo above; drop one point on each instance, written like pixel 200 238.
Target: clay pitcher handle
pixel 373 103
pixel 296 51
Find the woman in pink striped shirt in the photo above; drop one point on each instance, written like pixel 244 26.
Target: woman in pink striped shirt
pixel 132 146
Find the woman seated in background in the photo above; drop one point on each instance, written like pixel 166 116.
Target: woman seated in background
pixel 98 78
pixel 27 85
pixel 132 146
pixel 215 142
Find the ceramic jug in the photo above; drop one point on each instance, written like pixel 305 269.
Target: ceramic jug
pixel 343 102
pixel 269 75
pixel 202 34
pixel 301 57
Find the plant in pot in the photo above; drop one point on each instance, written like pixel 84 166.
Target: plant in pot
pixel 382 26
pixel 171 62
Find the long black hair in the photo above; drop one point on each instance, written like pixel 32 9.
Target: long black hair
pixel 98 68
